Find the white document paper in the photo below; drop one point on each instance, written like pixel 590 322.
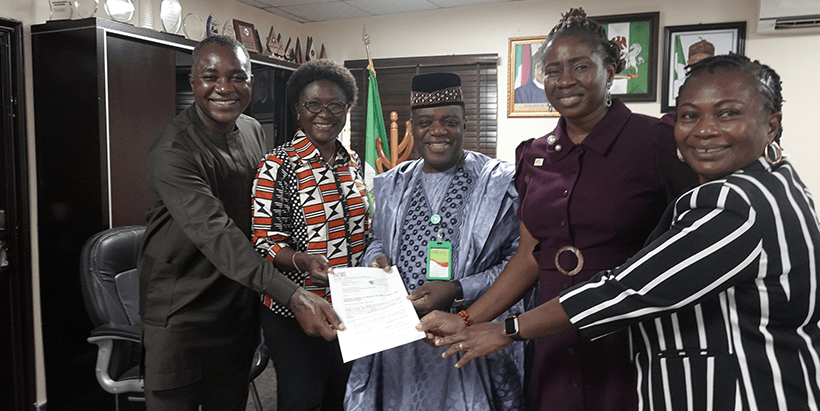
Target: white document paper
pixel 374 308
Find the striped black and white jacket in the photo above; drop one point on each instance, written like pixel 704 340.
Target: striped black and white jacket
pixel 722 304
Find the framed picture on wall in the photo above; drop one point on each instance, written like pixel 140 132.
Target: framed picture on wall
pixel 525 84
pixel 262 107
pixel 637 37
pixel 684 45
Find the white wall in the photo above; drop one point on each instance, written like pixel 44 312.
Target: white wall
pixel 486 29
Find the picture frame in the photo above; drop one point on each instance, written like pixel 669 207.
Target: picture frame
pixel 246 34
pixel 680 41
pixel 524 97
pixel 263 104
pixel 637 36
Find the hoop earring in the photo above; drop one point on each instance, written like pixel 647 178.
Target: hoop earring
pixel 608 97
pixel 778 153
pixel 680 156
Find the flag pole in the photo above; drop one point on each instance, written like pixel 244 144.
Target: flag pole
pixel 366 40
pixel 375 133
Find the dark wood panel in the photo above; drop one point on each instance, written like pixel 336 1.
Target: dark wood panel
pixel 141 102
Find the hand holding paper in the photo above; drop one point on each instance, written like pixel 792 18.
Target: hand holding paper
pixel 374 307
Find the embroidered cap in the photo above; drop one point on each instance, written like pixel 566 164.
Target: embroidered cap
pixel 435 89
pixel 699 51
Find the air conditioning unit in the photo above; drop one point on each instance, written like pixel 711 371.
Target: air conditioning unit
pixel 783 15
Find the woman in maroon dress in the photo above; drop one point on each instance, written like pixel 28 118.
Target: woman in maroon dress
pixel 590 193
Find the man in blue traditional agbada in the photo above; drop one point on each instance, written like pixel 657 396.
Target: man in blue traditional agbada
pixel 448 222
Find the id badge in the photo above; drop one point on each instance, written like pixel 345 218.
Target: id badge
pixel 439 260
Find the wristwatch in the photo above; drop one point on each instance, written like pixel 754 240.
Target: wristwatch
pixel 458 299
pixel 511 327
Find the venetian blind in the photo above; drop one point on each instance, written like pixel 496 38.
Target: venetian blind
pixel 479 76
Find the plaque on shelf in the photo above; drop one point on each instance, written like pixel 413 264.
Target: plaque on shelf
pixel 288 53
pixel 170 12
pixel 298 53
pixel 227 29
pixel 193 27
pixel 280 47
pixel 120 10
pixel 60 9
pixel 246 35
pixel 273 44
pixel 86 8
pixel 310 54
pixel 212 27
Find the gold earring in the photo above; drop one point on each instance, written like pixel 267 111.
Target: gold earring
pixel 778 152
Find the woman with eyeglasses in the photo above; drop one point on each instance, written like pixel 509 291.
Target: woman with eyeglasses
pixel 310 213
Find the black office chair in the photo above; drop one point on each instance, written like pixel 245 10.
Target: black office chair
pixel 108 272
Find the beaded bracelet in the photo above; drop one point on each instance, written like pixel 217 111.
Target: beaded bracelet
pixel 293 261
pixel 466 317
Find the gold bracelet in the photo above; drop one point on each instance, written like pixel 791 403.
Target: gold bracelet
pixel 293 261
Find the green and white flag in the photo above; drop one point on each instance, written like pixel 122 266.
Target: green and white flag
pixel 678 55
pixel 633 38
pixel 375 129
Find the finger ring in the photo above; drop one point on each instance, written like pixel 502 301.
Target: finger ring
pixel 461 346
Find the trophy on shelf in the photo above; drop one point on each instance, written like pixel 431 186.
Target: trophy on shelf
pixel 170 12
pixel 297 55
pixel 193 27
pixel 288 53
pixel 212 27
pixel 310 53
pixel 60 9
pixel 272 45
pixel 120 10
pixel 227 29
pixel 146 18
pixel 278 48
pixel 85 8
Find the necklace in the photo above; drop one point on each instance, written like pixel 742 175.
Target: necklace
pixel 435 218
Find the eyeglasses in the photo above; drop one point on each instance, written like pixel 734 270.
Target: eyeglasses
pixel 316 107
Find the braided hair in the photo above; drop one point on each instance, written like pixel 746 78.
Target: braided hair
pixel 575 23
pixel 768 81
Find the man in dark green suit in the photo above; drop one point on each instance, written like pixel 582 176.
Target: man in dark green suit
pixel 200 277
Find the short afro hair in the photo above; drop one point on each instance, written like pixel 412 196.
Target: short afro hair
pixel 320 69
pixel 218 41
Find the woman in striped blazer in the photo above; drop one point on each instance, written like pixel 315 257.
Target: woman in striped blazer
pixel 722 303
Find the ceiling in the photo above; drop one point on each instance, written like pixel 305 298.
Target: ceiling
pixel 310 11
